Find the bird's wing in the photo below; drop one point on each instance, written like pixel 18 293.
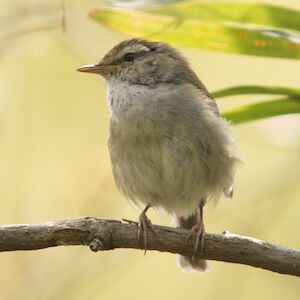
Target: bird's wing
pixel 206 96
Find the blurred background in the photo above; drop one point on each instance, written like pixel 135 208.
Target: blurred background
pixel 55 164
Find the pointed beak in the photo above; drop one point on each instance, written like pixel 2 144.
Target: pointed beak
pixel 97 69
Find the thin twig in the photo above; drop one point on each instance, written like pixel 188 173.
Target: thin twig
pixel 63 16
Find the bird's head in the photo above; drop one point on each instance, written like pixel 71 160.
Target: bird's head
pixel 139 61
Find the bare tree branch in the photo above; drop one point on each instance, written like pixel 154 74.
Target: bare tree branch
pixel 104 234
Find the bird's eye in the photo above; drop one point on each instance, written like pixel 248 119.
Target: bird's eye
pixel 130 56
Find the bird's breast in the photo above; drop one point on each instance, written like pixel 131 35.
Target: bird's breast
pixel 134 113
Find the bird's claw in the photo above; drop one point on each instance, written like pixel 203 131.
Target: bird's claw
pixel 199 229
pixel 144 223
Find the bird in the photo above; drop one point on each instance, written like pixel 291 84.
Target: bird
pixel 169 147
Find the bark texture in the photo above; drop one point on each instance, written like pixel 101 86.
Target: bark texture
pixel 104 234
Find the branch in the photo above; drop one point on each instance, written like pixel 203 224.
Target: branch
pixel 104 234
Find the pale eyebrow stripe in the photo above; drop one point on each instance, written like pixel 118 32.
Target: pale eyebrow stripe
pixel 136 48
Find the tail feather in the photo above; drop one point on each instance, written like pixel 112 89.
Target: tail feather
pixel 189 264
pixel 186 263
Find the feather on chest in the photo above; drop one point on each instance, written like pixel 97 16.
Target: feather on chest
pixel 135 114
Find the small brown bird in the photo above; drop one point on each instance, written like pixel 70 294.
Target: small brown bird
pixel 169 147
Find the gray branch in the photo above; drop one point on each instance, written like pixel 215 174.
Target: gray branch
pixel 104 234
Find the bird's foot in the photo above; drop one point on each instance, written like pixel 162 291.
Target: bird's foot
pixel 200 230
pixel 144 223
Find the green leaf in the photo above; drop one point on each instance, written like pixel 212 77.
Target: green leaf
pixel 256 89
pixel 246 13
pixel 262 110
pixel 190 32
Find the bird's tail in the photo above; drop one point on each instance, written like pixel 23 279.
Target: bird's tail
pixel 186 263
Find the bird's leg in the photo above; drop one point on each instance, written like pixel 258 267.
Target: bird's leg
pixel 199 229
pixel 144 223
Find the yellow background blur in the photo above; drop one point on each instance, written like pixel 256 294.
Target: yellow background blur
pixel 55 165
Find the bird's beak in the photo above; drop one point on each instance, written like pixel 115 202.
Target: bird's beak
pixel 97 69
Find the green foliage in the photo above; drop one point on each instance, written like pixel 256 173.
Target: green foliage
pixel 263 110
pixel 251 13
pixel 256 89
pixel 254 29
pixel 241 28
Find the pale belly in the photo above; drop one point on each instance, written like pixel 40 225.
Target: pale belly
pixel 168 156
pixel 161 175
